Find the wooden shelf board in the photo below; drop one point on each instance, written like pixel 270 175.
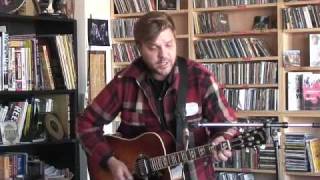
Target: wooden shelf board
pixel 303 173
pixel 171 12
pixel 302 68
pixel 120 40
pixel 236 8
pixel 301 113
pixel 304 2
pixel 235 33
pixel 246 170
pixel 244 59
pixel 245 86
pixel 256 113
pixel 302 30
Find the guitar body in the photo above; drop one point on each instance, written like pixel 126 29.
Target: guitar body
pixel 150 155
pixel 129 150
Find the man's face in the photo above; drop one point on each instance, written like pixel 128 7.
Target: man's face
pixel 160 55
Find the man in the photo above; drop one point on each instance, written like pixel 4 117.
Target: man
pixel 146 95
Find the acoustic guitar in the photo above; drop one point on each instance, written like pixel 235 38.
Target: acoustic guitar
pixel 151 155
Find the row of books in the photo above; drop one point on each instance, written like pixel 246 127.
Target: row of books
pixel 264 72
pixel 234 176
pixel 260 157
pixel 28 62
pixel 302 152
pixel 303 91
pixel 244 158
pixel 125 52
pixel 134 6
pixel 13 166
pixel 23 121
pixel 21 166
pixel 231 48
pixel 219 3
pixel 253 99
pixel 211 22
pixel 301 17
pixel 267 158
pixel 251 159
pixel 122 28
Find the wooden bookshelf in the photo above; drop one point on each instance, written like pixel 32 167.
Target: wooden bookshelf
pixel 63 153
pixel 276 37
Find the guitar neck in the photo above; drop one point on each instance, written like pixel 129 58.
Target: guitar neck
pixel 173 159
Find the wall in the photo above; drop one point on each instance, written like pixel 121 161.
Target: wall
pixel 96 9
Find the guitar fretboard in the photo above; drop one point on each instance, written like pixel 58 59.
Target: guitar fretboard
pixel 173 159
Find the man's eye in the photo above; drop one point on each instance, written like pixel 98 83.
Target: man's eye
pixel 152 47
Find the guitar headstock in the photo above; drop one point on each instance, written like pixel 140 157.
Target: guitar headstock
pixel 250 139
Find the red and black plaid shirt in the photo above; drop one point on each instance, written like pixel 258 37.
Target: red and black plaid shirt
pixel 131 94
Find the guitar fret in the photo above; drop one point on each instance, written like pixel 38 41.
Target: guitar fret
pixel 184 156
pixel 153 164
pixel 164 161
pixel 201 151
pixel 157 164
pixel 192 154
pixel 160 163
pixel 172 159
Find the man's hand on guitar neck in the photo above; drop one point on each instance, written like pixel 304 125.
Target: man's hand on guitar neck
pixel 221 155
pixel 118 169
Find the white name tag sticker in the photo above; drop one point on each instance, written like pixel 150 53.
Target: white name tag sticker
pixel 192 108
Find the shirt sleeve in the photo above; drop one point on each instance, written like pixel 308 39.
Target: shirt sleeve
pixel 89 127
pixel 217 109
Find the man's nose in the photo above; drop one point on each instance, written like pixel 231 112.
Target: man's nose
pixel 161 52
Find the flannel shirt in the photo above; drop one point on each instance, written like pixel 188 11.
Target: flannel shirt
pixel 131 94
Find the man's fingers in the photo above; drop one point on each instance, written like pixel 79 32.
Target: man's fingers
pixel 127 174
pixel 222 157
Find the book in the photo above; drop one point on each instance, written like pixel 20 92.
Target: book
pixel 311 91
pixel 55 66
pixel 315 153
pixel 168 4
pixel 46 68
pixel 294 92
pixel 261 22
pixel 314 50
pixel 291 58
pixel 10 125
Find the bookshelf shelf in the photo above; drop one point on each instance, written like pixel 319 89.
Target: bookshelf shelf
pixel 228 60
pixel 257 113
pixel 237 8
pixel 303 174
pixel 33 93
pixel 172 12
pixel 298 3
pixel 301 30
pixel 24 144
pixel 246 33
pixel 302 68
pixel 246 170
pixel 306 114
pixel 245 86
